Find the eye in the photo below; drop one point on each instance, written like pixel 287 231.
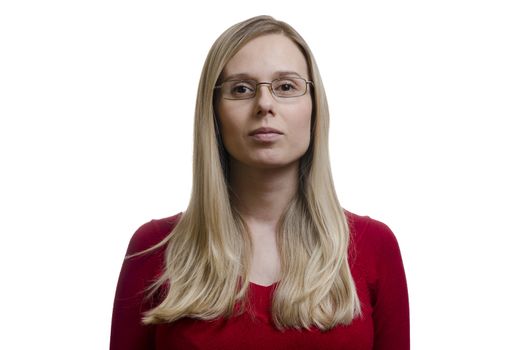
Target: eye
pixel 287 87
pixel 241 88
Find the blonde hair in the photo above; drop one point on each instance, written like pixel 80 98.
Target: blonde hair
pixel 208 253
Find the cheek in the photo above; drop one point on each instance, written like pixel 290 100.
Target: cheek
pixel 303 122
pixel 229 126
pixel 228 132
pixel 225 124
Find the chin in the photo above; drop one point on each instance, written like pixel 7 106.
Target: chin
pixel 273 164
pixel 267 160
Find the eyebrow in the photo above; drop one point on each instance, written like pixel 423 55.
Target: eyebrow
pixel 248 76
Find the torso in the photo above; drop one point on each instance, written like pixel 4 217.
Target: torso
pixel 376 269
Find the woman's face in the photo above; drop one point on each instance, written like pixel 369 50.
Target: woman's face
pixel 287 138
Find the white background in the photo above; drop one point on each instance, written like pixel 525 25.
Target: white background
pixel 428 108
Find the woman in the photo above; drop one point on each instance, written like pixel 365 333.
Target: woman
pixel 264 257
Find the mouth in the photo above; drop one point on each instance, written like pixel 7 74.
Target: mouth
pixel 263 131
pixel 265 135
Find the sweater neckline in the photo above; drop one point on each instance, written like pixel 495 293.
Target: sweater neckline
pixel 260 286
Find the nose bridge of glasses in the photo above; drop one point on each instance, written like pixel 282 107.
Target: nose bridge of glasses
pixel 268 85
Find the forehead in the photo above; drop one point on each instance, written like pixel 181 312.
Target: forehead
pixel 266 56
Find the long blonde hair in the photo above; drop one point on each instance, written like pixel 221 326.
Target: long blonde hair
pixel 208 253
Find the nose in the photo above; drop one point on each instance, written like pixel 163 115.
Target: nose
pixel 264 99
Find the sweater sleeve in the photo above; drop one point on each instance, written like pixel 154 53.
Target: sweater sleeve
pixel 391 302
pixel 137 274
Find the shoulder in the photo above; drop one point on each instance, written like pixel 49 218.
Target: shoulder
pixel 151 233
pixel 372 239
pixel 366 228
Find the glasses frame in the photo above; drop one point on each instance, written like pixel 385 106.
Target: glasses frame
pixel 268 83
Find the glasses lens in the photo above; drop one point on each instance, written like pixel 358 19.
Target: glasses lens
pixel 289 87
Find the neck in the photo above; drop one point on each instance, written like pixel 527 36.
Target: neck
pixel 262 195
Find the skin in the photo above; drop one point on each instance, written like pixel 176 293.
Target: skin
pixel 264 174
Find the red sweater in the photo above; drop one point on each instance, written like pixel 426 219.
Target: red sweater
pixel 377 271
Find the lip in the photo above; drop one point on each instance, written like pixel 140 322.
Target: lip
pixel 261 131
pixel 265 135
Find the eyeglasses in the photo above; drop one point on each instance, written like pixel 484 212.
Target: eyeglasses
pixel 245 89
